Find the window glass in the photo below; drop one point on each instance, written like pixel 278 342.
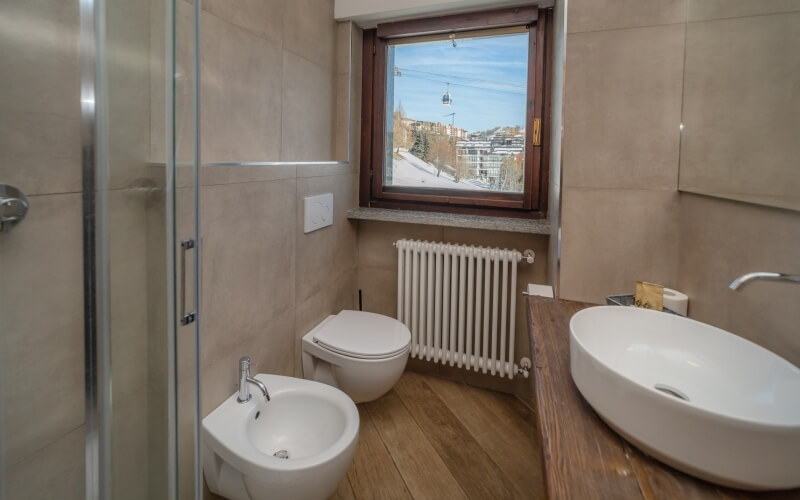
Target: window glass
pixel 455 116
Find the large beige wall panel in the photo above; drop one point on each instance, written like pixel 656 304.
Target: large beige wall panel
pixel 40 78
pixel 248 279
pixel 326 258
pixel 263 18
pixel 622 109
pixel 307 110
pixel 41 309
pixel 740 109
pixel 598 15
pixel 614 237
pixel 724 239
pixel 240 94
pixel 269 94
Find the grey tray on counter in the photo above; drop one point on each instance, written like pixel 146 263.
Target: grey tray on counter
pixel 627 300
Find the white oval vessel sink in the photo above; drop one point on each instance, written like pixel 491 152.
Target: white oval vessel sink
pixel 296 446
pixel 698 398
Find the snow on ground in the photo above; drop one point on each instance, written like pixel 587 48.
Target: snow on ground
pixel 415 172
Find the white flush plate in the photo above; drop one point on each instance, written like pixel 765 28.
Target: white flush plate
pixel 318 212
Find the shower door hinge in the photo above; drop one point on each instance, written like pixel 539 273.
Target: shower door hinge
pixel 188 318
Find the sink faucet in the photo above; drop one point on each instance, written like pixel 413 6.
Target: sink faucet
pixel 746 278
pixel 245 378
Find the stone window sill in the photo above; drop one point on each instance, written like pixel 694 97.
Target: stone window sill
pixel 531 226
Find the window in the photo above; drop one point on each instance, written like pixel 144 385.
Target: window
pixel 454 112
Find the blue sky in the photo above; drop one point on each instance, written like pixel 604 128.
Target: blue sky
pixel 471 68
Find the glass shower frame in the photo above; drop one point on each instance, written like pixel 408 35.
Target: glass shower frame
pixel 181 74
pixel 99 321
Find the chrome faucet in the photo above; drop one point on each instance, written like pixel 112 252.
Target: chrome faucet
pixel 747 278
pixel 245 379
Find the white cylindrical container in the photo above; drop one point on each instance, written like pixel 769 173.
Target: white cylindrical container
pixel 676 301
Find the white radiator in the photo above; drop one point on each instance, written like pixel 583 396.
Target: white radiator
pixel 459 302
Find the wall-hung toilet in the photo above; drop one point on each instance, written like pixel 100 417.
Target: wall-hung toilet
pixel 361 353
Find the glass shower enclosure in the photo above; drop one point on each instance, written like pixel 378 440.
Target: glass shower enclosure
pixel 99 319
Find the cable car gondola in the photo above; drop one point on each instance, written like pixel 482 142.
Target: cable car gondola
pixel 446 99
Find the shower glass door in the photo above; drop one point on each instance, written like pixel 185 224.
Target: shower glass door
pixel 98 387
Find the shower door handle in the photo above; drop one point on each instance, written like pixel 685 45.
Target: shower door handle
pixel 186 318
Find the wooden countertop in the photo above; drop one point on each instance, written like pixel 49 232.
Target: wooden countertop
pixel 582 457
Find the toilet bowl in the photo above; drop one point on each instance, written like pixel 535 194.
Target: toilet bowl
pixel 360 353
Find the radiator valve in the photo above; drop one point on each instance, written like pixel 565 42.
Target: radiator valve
pixel 524 367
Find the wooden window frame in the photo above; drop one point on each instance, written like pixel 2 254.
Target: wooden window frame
pixel 532 203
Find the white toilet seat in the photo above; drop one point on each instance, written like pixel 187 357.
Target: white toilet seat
pixel 363 354
pixel 357 355
pixel 363 335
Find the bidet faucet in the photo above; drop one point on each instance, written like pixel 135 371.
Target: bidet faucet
pixel 746 278
pixel 245 379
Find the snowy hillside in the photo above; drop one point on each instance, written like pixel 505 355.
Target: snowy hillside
pixel 414 172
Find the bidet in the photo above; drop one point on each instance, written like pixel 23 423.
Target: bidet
pixel 297 446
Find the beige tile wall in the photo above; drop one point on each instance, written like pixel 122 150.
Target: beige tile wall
pixel 706 10
pixel 265 283
pixel 268 93
pixel 41 306
pixel 736 68
pixel 622 217
pixel 724 239
pixel 599 15
pixel 377 279
pixel 240 93
pixel 622 108
pixel 40 78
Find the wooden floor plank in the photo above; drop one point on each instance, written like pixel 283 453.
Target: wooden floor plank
pixel 373 474
pixel 475 471
pixel 503 426
pixel 424 472
pixel 344 491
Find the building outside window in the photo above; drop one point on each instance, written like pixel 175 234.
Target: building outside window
pixel 457 107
